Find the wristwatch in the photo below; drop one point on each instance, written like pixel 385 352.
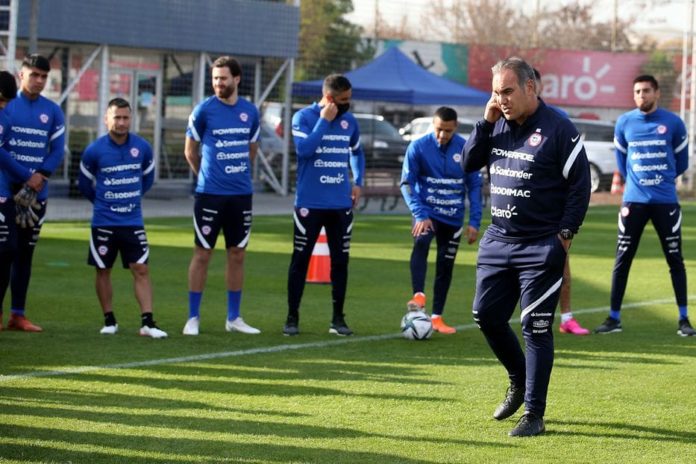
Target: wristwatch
pixel 566 234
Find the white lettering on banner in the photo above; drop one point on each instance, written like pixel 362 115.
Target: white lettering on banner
pixel 657 180
pixel 513 154
pixel 504 213
pixel 649 155
pixel 497 170
pixel 339 179
pixel 120 168
pixel 654 167
pixel 235 169
pixel 231 130
pixel 124 181
pixel 648 143
pixel 221 156
pixel 510 192
pixel 121 195
pixel 584 87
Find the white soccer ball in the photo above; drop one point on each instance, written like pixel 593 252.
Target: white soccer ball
pixel 416 325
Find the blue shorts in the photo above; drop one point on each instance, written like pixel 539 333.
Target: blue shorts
pixel 106 242
pixel 231 213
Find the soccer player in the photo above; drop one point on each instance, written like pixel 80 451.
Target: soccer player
pixel 540 191
pixel 569 324
pixel 116 170
pixel 11 172
pixel 37 141
pixel 221 144
pixel 651 151
pixel 435 188
pixel 327 140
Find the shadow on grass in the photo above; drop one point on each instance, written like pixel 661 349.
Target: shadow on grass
pixel 623 431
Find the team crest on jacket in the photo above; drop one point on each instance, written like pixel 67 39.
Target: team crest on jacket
pixel 661 129
pixel 44 118
pixel 244 117
pixel 134 152
pixel 457 157
pixel 344 124
pixel 535 139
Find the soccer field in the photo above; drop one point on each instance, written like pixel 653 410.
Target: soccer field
pixel 71 395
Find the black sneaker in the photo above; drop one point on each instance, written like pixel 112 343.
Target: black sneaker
pixel 291 327
pixel 514 398
pixel 340 328
pixel 611 325
pixel 685 329
pixel 529 425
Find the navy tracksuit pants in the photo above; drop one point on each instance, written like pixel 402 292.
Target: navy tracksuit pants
pixel 531 273
pixel 666 219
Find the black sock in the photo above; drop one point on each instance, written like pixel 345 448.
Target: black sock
pixel 146 319
pixel 109 318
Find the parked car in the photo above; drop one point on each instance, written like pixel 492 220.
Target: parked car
pixel 421 126
pixel 383 145
pixel 598 138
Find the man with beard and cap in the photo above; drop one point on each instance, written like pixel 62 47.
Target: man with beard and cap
pixel 221 144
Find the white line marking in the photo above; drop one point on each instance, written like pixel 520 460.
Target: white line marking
pixel 274 349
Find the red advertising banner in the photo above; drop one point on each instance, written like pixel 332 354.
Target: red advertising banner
pixel 570 77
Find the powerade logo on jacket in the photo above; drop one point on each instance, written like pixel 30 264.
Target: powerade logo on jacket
pixel 225 133
pixel 325 152
pixel 653 150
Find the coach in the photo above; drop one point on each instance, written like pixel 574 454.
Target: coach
pixel 540 191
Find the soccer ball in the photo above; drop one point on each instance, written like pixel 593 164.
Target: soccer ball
pixel 416 325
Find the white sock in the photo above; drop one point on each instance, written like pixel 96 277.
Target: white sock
pixel 565 317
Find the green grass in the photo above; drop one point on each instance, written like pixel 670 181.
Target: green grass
pixel 71 395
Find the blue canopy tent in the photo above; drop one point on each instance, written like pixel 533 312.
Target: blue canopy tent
pixel 393 77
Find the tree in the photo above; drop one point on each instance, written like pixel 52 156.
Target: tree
pixel 328 42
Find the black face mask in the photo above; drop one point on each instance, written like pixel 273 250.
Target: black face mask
pixel 342 108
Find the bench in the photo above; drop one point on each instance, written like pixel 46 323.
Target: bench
pixel 382 184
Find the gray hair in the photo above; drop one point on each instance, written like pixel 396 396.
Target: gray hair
pixel 523 70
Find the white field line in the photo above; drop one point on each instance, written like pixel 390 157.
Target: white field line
pixel 274 349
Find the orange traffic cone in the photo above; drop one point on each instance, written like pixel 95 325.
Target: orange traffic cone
pixel 617 187
pixel 319 271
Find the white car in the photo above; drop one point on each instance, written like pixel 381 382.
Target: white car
pixel 421 126
pixel 598 138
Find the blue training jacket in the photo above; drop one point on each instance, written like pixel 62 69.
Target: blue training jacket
pixel 11 172
pixel 325 152
pixel 651 151
pixel 115 177
pixel 539 174
pixel 434 184
pixel 225 133
pixel 37 135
